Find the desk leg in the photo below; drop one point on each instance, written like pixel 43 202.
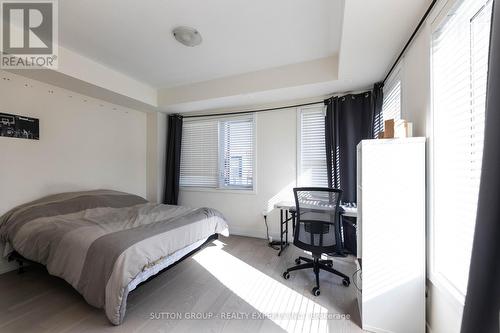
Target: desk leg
pixel 281 231
pixel 283 244
pixel 286 228
pixel 338 237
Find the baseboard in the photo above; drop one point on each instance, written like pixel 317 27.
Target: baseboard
pixel 255 233
pixel 375 329
pixel 247 232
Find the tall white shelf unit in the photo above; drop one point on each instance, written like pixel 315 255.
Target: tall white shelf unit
pixel 391 234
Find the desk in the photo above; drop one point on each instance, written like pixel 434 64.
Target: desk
pixel 288 207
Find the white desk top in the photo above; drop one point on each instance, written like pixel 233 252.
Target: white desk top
pixel 348 211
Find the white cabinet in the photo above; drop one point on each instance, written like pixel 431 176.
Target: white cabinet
pixel 391 234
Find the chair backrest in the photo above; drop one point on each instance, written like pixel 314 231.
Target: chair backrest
pixel 317 211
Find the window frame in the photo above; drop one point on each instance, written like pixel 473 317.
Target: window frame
pixel 299 140
pixel 438 17
pixel 230 189
pixel 220 171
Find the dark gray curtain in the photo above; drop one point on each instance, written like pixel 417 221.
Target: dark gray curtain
pixel 482 302
pixel 349 119
pixel 173 159
pixel 331 142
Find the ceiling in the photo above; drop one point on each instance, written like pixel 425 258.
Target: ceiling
pixel 254 52
pixel 239 36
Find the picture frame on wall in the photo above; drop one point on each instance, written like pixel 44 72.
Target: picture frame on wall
pixel 16 126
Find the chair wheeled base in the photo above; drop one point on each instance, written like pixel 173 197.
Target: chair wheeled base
pixel 316 264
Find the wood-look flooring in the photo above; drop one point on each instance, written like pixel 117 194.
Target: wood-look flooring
pixel 234 284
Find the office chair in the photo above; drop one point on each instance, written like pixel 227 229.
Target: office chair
pixel 317 213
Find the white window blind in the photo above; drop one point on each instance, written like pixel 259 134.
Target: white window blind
pixel 312 156
pixel 236 139
pixel 391 107
pixel 218 153
pixel 199 153
pixel 459 73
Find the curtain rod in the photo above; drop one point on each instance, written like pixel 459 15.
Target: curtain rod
pixel 265 110
pixel 411 39
pixel 251 111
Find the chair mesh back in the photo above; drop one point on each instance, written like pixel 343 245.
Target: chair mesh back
pixel 316 219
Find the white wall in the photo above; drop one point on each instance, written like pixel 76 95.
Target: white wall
pixel 157 140
pixel 276 176
pixel 415 80
pixel 84 144
pixel 444 311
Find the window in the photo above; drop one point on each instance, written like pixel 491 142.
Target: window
pixel 236 152
pixel 312 152
pixel 218 153
pixel 391 107
pixel 459 71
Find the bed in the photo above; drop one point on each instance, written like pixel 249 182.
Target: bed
pixel 105 243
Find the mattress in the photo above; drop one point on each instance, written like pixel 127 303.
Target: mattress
pixel 105 242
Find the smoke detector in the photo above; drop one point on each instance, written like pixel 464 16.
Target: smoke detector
pixel 187 36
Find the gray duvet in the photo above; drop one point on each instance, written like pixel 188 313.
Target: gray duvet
pixel 99 241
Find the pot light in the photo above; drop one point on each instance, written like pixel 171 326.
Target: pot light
pixel 187 36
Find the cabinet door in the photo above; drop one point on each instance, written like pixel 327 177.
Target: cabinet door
pixel 359 204
pixel 393 235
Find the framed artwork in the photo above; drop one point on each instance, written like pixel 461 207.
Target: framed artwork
pixel 15 126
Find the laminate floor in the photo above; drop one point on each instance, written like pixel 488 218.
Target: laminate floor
pixel 234 284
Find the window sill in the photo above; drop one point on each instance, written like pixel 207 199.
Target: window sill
pixel 447 288
pixel 218 190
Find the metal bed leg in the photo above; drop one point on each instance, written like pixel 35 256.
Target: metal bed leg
pixel 20 270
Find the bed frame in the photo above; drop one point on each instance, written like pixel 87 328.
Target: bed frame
pixel 14 256
pixel 21 261
pixel 209 240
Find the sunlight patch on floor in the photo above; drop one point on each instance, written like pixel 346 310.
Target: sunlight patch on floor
pixel 284 306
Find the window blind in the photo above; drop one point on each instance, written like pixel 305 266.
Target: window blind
pixel 218 153
pixel 199 153
pixel 459 73
pixel 236 139
pixel 391 107
pixel 312 162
